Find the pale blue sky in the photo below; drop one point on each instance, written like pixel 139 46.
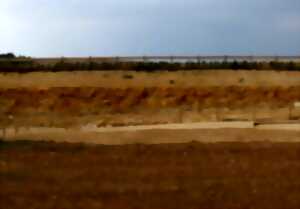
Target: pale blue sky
pixel 149 27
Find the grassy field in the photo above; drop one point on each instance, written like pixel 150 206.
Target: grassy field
pixel 163 79
pixel 192 175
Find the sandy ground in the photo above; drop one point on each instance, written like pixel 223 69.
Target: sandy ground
pixel 203 165
pixel 116 79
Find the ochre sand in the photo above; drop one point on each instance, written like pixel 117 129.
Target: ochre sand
pixel 118 98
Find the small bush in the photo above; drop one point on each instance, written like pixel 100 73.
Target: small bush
pixel 172 82
pixel 7 56
pixel 127 76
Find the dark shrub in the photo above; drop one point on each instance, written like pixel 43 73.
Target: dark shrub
pixel 7 56
pixel 127 76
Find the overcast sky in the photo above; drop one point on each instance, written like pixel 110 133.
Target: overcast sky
pixel 149 27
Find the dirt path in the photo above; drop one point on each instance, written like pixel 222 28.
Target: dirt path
pixel 172 133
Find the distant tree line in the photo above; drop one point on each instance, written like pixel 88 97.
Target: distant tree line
pixel 7 56
pixel 8 63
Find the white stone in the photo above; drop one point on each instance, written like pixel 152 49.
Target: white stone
pixel 297 104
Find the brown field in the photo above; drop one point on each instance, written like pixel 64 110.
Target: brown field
pixel 193 175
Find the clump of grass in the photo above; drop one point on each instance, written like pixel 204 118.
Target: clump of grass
pixel 172 82
pixel 242 80
pixel 127 76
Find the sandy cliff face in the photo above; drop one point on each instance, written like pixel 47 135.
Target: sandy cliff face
pixel 89 100
pixel 111 106
pixel 129 98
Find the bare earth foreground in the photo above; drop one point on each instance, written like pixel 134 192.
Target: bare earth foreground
pixel 191 175
pixel 101 150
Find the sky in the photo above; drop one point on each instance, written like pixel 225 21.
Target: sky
pixel 55 28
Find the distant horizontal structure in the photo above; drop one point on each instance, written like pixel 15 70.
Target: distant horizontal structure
pixel 186 59
pixel 168 59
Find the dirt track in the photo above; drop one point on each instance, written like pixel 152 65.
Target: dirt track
pixel 158 136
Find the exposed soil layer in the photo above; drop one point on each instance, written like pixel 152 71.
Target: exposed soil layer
pixel 76 101
pixel 194 175
pixel 90 101
pixel 119 98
